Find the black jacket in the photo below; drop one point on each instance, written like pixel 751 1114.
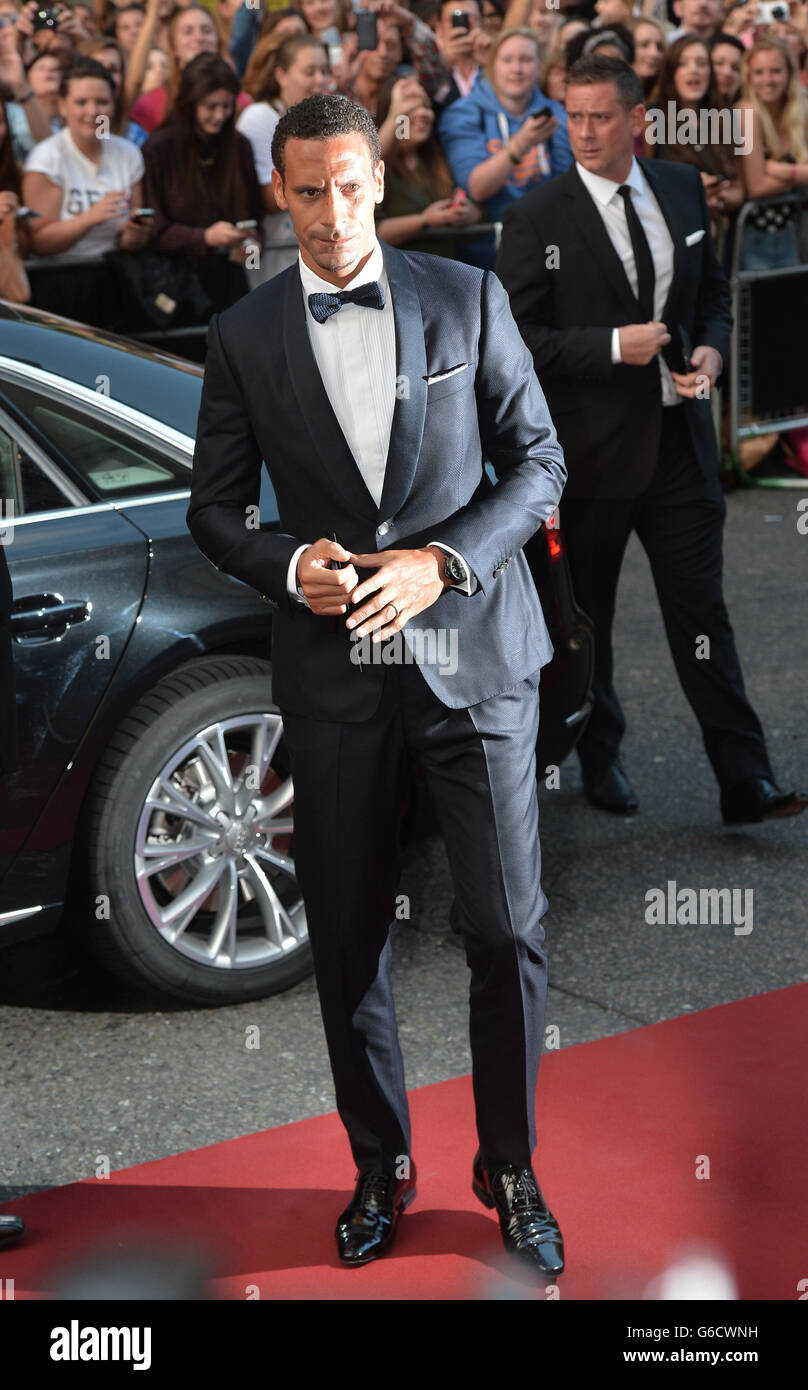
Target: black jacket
pixel 568 290
pixel 263 399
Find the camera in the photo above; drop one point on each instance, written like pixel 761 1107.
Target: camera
pixel 771 10
pixel 46 18
pixel 460 19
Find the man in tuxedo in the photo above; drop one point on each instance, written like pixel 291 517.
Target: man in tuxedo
pixel 614 282
pixel 373 384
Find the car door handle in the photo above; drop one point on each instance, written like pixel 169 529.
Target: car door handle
pixel 46 617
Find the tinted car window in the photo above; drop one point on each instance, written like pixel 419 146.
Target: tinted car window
pixel 111 465
pixel 23 484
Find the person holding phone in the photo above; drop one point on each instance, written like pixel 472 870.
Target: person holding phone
pixel 83 181
pixel 506 136
pixel 201 181
pixel 387 38
pixel 419 191
pixel 686 83
pixel 458 23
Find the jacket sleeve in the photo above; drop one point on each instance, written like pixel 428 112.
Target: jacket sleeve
pixel 226 485
pixel 518 439
pixel 713 325
pixel 522 265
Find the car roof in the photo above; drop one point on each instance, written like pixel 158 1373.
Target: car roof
pixel 156 383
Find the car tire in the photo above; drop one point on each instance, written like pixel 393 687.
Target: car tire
pixel 128 897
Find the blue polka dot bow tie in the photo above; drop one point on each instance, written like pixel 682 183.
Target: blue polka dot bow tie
pixel 324 305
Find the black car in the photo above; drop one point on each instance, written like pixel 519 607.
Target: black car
pixel 152 810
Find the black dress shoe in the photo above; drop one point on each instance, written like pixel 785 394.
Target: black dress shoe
pixel 12 1230
pixel 367 1226
pixel 529 1229
pixel 612 791
pixel 758 798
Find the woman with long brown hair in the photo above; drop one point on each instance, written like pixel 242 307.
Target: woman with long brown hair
pixel 419 191
pixel 191 31
pixel 681 110
pixel 277 78
pixel 201 182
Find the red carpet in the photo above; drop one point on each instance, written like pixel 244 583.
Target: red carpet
pixel 624 1124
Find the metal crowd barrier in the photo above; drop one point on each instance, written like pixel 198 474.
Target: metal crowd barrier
pixel 768 386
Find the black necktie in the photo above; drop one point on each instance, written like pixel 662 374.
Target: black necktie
pixel 322 306
pixel 643 259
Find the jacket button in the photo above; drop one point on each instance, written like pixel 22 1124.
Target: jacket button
pixel 383 529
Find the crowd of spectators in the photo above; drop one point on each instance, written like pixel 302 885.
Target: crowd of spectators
pixel 137 136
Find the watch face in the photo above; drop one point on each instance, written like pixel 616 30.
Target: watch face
pixel 454 567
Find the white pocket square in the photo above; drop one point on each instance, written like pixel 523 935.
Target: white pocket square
pixel 444 376
pixel 694 237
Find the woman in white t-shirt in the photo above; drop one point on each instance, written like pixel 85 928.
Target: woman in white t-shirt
pixel 297 69
pixel 84 182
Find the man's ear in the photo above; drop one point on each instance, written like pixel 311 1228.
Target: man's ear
pixel 378 174
pixel 277 189
pixel 636 118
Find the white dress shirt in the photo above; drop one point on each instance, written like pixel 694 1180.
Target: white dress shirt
pixel 612 209
pixel 355 351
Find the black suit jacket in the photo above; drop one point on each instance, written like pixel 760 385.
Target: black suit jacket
pixel 263 399
pixel 568 290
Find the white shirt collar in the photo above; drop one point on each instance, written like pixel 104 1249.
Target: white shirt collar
pixel 603 190
pixel 373 269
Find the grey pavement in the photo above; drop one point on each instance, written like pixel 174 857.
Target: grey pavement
pixel 88 1068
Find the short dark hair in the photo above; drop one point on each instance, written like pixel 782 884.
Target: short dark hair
pixel 322 117
pixel 600 68
pixel 85 67
pixel 731 39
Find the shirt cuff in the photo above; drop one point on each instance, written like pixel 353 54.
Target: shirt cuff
pixel 468 586
pixel 292 585
pixel 616 354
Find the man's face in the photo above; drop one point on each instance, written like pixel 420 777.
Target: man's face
pixel 330 191
pixel 601 130
pixel 699 16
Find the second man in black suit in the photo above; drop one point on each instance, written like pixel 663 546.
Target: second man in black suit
pixel 615 286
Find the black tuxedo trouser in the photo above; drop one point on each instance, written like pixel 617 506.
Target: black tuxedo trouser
pixel 679 520
pixel 350 782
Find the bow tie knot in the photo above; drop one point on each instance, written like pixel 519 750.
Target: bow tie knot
pixel 323 305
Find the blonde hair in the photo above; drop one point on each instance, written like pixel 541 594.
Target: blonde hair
pixel 793 114
pixel 519 31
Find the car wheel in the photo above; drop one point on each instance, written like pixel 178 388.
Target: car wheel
pixel 189 841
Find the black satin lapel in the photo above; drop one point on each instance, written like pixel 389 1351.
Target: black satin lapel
pixel 670 213
pixel 599 242
pixel 410 408
pixel 333 459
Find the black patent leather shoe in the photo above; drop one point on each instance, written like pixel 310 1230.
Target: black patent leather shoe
pixel 757 799
pixel 12 1230
pixel 367 1226
pixel 612 791
pixel 529 1229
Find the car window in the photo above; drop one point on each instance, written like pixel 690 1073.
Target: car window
pixel 22 482
pixel 112 464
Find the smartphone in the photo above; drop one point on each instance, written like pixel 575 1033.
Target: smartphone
pixel 367 32
pixel 677 352
pixel 460 19
pixel 27 212
pixel 540 115
pixel 458 198
pixel 142 215
pixel 248 226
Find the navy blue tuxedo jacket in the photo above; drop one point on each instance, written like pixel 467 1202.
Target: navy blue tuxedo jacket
pixel 264 403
